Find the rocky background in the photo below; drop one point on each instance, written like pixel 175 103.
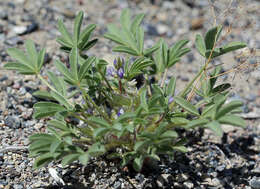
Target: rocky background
pixel 229 162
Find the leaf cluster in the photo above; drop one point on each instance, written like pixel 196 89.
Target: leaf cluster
pixel 115 117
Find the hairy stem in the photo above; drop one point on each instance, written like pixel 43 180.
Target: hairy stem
pixel 53 89
pixel 184 91
pixel 164 77
pixel 105 116
pixel 105 79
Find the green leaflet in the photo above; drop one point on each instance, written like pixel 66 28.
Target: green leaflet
pixel 215 127
pixel 77 26
pixel 69 159
pixel 228 108
pixel 44 109
pixel 200 45
pixel 233 120
pixel 65 34
pixel 186 105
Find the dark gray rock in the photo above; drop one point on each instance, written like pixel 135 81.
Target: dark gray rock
pixel 13 41
pixel 3 15
pixel 13 122
pixel 255 182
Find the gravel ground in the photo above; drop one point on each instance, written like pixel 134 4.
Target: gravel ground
pixel 230 162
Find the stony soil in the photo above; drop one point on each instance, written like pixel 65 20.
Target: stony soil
pixel 229 162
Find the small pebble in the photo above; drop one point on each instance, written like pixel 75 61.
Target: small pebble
pixel 255 182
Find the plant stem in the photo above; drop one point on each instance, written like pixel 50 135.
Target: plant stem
pixel 120 86
pixel 95 105
pixel 184 91
pixel 53 89
pixel 107 82
pixel 164 77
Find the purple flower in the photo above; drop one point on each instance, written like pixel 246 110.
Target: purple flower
pixel 170 100
pixel 110 71
pixel 120 112
pixel 120 73
pixel 115 63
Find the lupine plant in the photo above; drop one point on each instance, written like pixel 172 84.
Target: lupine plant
pixel 123 112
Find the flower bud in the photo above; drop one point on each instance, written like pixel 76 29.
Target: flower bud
pixel 120 73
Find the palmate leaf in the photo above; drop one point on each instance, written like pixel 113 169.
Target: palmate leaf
pixel 176 52
pixel 77 40
pixel 27 64
pixel 205 47
pixel 130 36
pixel 137 67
